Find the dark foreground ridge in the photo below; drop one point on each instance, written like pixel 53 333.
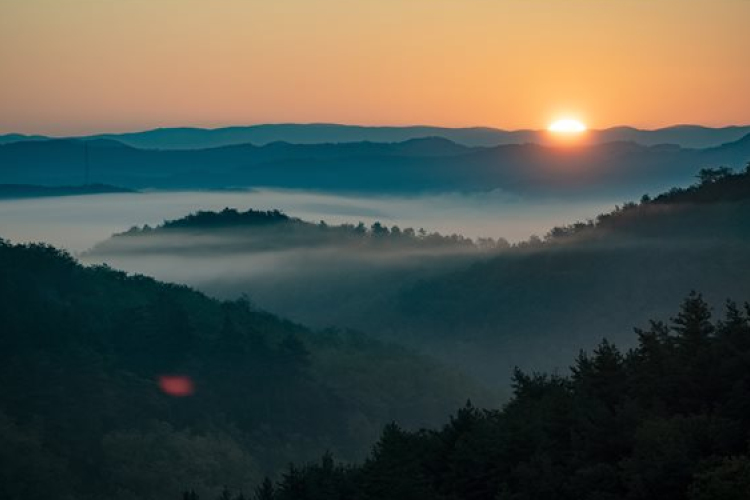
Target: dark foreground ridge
pixel 122 387
pixel 667 419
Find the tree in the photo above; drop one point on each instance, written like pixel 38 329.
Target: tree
pixel 693 326
pixel 601 376
pixel 378 229
pixel 694 367
pixel 729 479
pixel 265 491
pixel 395 470
pixel 650 365
pixel 642 425
pixel 711 175
pixel 292 485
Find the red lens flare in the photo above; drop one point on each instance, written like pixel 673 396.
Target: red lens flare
pixel 178 386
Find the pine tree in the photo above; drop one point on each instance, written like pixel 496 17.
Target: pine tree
pixel 693 327
pixel 265 491
pixel 225 494
pixel 695 369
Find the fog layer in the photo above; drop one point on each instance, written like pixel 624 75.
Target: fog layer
pixel 78 222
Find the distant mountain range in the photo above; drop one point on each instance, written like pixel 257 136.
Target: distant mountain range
pixel 15 191
pixel 689 136
pixel 415 165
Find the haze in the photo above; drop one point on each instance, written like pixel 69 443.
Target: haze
pixel 78 222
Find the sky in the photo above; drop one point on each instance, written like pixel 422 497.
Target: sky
pixel 70 67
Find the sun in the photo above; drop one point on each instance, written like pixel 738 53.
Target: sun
pixel 567 126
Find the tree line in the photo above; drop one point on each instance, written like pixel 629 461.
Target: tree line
pixel 85 412
pixel 669 418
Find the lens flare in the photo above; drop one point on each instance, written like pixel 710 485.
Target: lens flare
pixel 178 386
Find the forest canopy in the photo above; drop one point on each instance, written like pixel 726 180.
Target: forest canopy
pixel 84 351
pixel 669 418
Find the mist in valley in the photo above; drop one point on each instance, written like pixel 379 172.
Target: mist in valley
pixel 418 295
pixel 76 223
pixel 483 306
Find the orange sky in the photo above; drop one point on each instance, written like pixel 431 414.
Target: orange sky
pixel 81 66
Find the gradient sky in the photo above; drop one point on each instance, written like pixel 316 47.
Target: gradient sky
pixel 82 66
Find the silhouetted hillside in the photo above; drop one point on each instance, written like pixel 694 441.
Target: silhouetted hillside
pixel 230 231
pixel 542 300
pixel 321 272
pixel 690 136
pixel 668 419
pixel 418 165
pixel 483 306
pixel 8 138
pixel 84 352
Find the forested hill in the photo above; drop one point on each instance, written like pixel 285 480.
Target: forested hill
pixel 231 230
pixel 669 419
pixel 92 362
pixel 539 302
pixel 726 190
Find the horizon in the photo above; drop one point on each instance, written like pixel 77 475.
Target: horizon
pixel 96 133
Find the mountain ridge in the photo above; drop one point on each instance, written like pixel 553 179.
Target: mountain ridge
pixel 685 135
pixel 414 165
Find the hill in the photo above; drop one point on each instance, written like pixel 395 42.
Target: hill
pixel 8 138
pixel 668 419
pixel 482 306
pixel 320 272
pixel 233 231
pixel 119 386
pixel 689 136
pixel 539 302
pixel 418 165
pixel 14 191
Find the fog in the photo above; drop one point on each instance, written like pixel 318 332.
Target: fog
pixel 330 279
pixel 78 222
pixel 299 279
pixel 483 309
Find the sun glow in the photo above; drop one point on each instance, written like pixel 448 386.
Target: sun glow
pixel 567 126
